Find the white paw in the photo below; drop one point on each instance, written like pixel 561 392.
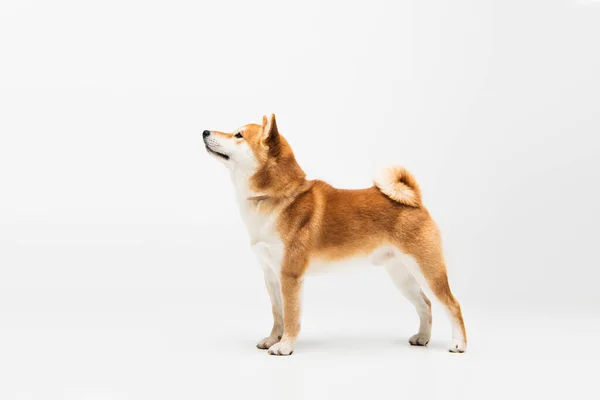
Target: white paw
pixel 268 342
pixel 419 339
pixel 457 346
pixel 281 349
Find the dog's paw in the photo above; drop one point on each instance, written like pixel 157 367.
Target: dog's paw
pixel 457 346
pixel 281 349
pixel 419 339
pixel 268 342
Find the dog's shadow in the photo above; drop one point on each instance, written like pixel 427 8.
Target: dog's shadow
pixel 365 343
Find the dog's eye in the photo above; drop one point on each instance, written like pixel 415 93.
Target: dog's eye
pixel 238 135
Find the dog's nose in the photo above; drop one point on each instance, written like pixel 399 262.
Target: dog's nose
pixel 205 134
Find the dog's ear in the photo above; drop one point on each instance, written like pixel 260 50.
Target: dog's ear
pixel 271 135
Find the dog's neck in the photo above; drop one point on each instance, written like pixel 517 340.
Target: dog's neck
pixel 272 185
pixel 241 184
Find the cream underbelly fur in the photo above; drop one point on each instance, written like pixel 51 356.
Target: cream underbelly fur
pixel 270 254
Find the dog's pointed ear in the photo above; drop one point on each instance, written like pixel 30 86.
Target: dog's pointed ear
pixel 271 135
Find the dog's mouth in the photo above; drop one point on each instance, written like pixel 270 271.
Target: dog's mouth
pixel 216 153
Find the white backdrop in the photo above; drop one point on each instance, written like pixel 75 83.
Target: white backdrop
pixel 120 242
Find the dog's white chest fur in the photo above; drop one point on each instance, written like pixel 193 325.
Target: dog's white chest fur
pixel 264 238
pixel 260 226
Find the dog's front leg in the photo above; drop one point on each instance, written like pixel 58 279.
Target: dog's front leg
pixel 291 288
pixel 273 287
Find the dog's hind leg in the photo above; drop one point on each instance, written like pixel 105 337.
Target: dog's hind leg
pixel 430 270
pixel 409 287
pixel 438 283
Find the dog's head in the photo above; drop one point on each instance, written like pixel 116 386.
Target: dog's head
pixel 246 148
pixel 258 153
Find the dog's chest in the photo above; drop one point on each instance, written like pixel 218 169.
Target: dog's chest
pixel 260 225
pixel 265 241
pixel 264 238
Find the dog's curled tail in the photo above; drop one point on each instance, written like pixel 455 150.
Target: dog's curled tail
pixel 399 185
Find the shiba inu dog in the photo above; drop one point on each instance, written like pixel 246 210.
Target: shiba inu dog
pixel 298 226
